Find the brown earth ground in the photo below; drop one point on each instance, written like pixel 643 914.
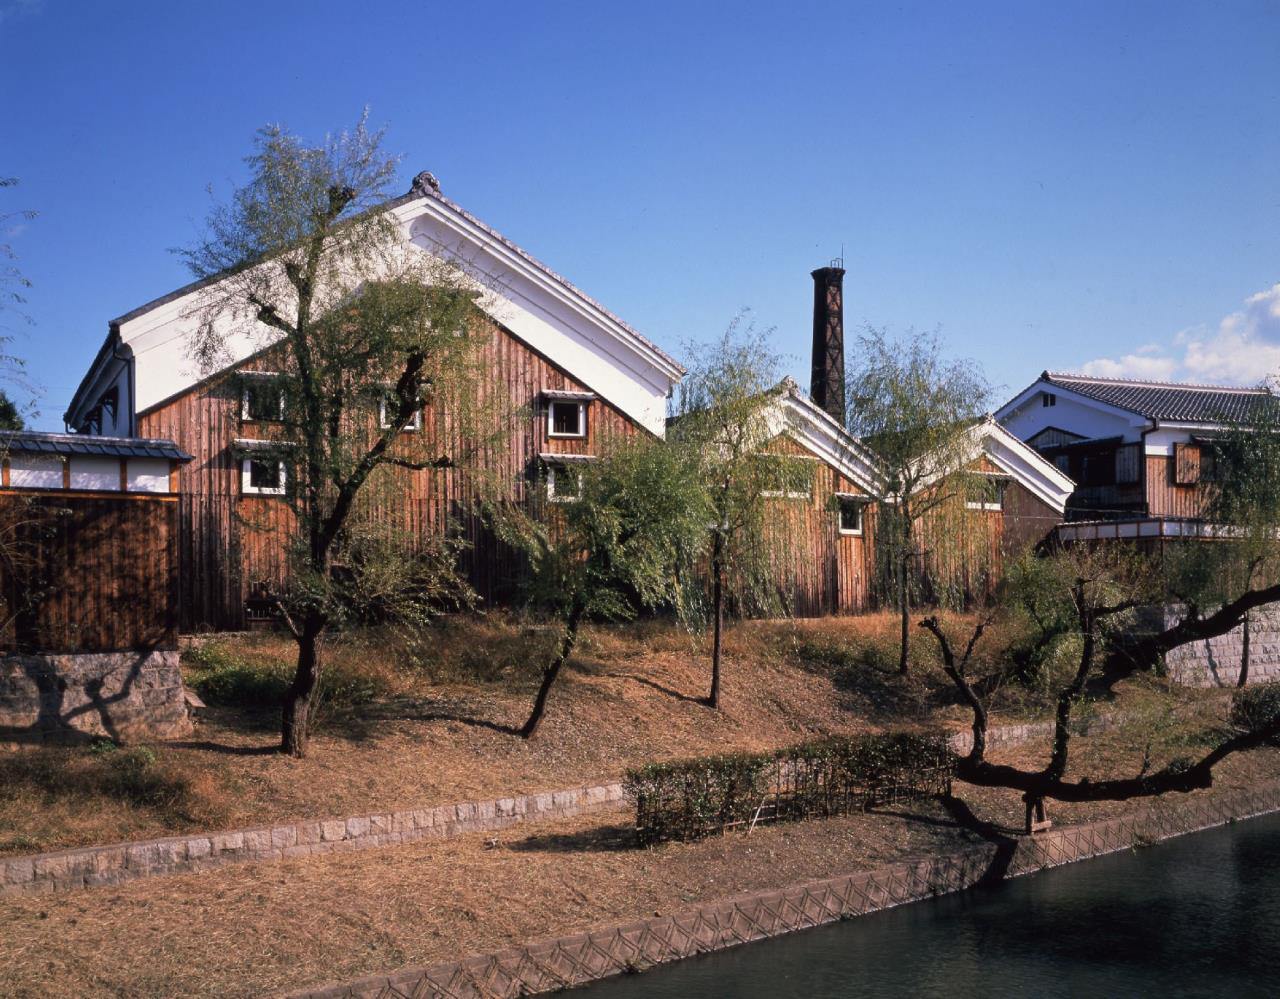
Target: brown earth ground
pixel 406 726
pixel 243 931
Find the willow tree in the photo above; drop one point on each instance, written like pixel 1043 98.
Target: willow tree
pixel 1094 594
pixel 624 539
pixel 726 419
pixel 915 407
pixel 363 334
pixel 13 301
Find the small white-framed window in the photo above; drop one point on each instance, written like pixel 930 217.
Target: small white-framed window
pixel 264 475
pixel 986 493
pixel 564 483
pixel 1049 399
pixel 384 403
pixel 261 398
pixel 850 514
pixel 566 418
pixel 787 478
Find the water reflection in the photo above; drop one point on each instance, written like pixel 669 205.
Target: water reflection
pixel 1199 916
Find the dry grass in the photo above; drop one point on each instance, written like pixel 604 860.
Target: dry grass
pixel 247 930
pixel 406 726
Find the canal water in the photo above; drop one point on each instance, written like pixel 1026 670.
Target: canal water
pixel 1195 916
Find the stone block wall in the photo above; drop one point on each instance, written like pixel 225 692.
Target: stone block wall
pixel 1216 661
pixel 127 696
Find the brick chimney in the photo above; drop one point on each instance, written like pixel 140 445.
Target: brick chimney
pixel 826 385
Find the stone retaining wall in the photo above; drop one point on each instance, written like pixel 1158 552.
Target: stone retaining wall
pixel 88 867
pixel 94 866
pixel 1215 662
pixel 127 696
pixel 563 962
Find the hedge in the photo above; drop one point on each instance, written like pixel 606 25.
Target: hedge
pixel 690 799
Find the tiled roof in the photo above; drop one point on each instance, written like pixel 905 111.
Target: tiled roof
pixel 34 442
pixel 1170 400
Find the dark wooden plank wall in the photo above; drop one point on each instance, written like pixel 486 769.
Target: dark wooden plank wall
pixel 820 570
pixel 88 572
pixel 1165 497
pixel 229 543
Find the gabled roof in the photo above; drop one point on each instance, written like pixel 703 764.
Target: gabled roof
pixel 525 296
pixel 1176 401
pixel 815 429
pixel 35 442
pixel 1041 477
pixel 1015 458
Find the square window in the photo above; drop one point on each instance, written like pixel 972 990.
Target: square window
pixel 566 419
pixel 262 476
pixel 1049 399
pixel 850 515
pixel 785 478
pixel 262 400
pixel 385 402
pixel 564 483
pixel 986 493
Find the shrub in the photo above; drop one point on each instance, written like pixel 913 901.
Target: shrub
pixel 690 799
pixel 223 677
pixel 230 677
pixel 1256 707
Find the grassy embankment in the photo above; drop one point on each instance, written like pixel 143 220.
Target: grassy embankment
pixel 403 726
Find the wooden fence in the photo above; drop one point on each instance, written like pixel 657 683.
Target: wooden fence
pixel 87 572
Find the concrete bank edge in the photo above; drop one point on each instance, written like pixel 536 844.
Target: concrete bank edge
pixel 564 962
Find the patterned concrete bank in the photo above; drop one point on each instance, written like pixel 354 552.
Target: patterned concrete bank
pixel 563 962
pixel 96 866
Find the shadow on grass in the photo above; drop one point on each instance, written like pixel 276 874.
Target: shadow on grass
pixel 225 748
pixel 601 839
pixel 417 711
pixel 654 685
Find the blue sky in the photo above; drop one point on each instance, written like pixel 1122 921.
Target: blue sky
pixel 1083 185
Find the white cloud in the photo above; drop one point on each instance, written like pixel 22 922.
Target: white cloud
pixel 1244 349
pixel 1134 365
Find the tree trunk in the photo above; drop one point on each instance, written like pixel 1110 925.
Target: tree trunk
pixel 295 722
pixel 1244 653
pixel 717 605
pixel 904 612
pixel 551 671
pixel 1145 653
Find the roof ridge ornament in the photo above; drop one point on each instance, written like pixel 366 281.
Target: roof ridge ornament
pixel 425 184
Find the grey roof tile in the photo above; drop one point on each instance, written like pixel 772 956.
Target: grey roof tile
pixel 35 442
pixel 1172 400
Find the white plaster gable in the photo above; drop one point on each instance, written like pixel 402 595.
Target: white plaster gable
pixel 797 416
pixel 1011 455
pixel 152 358
pixel 1025 415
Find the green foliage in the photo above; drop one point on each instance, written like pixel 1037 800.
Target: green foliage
pixel 130 773
pixel 916 408
pixel 366 337
pixel 1255 708
pixel 690 799
pixel 628 543
pixel 223 677
pixel 10 415
pixel 1240 472
pixel 226 677
pixel 727 420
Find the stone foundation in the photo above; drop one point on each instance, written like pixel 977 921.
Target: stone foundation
pixel 1215 662
pixel 126 696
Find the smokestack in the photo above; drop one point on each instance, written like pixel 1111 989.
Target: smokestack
pixel 826 385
